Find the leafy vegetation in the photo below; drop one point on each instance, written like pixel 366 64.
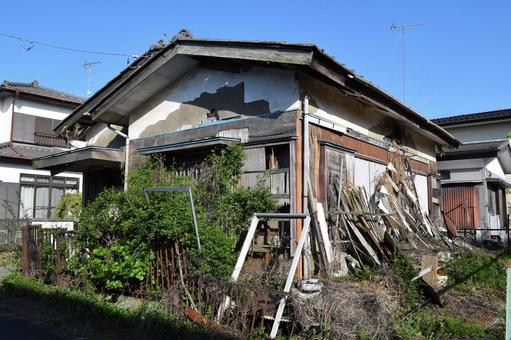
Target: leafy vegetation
pixel 476 270
pixel 69 206
pixel 430 324
pixel 118 232
pixel 405 270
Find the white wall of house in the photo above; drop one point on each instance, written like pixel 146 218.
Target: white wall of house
pixel 481 132
pixel 28 107
pixel 5 119
pixel 275 86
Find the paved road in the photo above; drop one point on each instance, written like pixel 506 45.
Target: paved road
pixel 13 329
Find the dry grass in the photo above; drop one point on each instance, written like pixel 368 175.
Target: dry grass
pixel 345 310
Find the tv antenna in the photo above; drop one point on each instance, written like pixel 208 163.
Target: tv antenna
pixel 88 66
pixel 402 29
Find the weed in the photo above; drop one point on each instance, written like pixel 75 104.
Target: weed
pixel 476 270
pixel 433 324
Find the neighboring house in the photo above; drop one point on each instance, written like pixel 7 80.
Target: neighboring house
pixel 301 116
pixel 476 175
pixel 28 114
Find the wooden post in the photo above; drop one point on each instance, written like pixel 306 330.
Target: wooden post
pixel 24 248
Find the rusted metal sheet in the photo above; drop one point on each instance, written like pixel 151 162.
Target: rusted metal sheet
pixel 461 205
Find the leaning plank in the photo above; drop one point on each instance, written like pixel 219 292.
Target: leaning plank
pixel 290 277
pixel 323 227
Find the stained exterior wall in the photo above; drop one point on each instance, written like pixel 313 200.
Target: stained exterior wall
pixel 187 102
pixel 361 118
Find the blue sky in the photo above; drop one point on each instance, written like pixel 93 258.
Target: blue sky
pixel 458 61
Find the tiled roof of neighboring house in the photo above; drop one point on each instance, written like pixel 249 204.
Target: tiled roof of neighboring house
pixel 35 89
pixel 26 152
pixel 473 117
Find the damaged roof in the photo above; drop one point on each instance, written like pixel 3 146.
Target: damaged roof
pixel 35 89
pixel 474 117
pixel 305 56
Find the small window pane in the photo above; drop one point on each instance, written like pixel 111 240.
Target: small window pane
pixel 43 180
pixel 60 181
pixel 56 195
pixel 71 181
pixel 27 178
pixel 27 201
pixel 41 202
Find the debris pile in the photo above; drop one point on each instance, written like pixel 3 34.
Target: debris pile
pixel 370 227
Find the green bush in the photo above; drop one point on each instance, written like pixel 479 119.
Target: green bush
pixel 118 232
pixel 69 206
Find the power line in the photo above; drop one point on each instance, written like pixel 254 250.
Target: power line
pixel 28 44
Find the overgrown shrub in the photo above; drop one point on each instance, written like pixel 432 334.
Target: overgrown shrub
pixel 69 206
pixel 117 233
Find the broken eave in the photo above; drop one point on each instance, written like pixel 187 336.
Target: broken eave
pixel 81 159
pixel 195 145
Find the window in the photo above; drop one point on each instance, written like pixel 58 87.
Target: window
pixel 39 195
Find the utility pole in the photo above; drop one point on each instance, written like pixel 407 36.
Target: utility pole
pixel 402 29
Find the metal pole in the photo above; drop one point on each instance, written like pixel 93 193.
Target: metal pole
pixel 190 196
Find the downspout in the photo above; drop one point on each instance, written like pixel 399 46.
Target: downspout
pixel 305 175
pixel 16 94
pixel 126 154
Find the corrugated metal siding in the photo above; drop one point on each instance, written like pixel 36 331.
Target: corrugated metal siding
pixel 461 204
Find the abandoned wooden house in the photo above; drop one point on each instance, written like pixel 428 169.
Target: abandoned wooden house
pixel 301 116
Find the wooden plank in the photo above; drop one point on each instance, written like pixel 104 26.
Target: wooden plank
pixel 269 54
pixel 430 261
pixel 323 227
pixel 290 277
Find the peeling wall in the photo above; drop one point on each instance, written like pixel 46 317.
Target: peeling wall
pixel 362 118
pixel 187 102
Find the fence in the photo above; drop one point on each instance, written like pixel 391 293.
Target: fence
pixel 45 253
pixel 487 234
